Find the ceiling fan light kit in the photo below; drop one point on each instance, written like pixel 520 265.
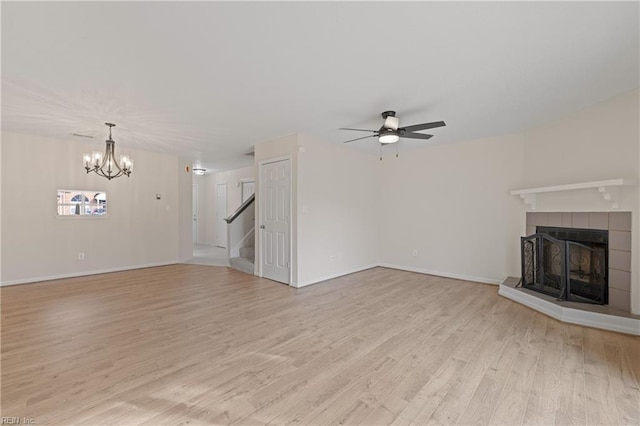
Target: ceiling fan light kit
pixel 388 137
pixel 390 132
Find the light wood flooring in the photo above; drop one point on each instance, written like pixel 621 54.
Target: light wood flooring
pixel 190 344
pixel 204 254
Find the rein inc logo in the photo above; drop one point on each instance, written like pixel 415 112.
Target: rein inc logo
pixel 17 420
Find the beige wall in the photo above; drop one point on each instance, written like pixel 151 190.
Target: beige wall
pixel 139 230
pixel 337 210
pixel 234 191
pixel 451 203
pixel 232 179
pixel 334 207
pixel 1 229
pixel 598 143
pixel 200 186
pixel 183 185
pixel 207 227
pixel 350 211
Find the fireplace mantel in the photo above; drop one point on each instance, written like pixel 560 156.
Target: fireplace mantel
pixel 610 190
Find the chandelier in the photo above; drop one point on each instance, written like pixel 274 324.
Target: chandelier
pixel 105 164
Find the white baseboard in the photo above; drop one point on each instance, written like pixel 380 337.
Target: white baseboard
pixel 84 273
pixel 332 276
pixel 573 316
pixel 482 280
pixel 297 285
pixel 561 313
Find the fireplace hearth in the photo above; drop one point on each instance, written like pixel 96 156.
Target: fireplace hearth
pixel 567 263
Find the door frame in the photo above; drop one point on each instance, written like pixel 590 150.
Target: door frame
pixel 261 198
pixel 226 206
pixel 195 205
pixel 242 182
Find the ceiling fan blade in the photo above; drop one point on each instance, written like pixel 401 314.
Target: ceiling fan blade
pixel 357 139
pixel 416 136
pixel 424 126
pixel 358 130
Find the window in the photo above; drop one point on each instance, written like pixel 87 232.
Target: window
pixel 73 202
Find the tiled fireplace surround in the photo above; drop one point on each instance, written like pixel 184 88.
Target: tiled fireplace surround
pixel 619 226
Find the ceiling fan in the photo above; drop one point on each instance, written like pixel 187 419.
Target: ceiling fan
pixel 390 132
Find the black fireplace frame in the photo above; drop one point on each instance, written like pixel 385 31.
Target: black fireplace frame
pixel 561 276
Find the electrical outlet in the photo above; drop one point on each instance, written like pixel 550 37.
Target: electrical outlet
pixel 81 256
pixel 415 252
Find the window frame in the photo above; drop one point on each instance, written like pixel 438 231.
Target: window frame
pixel 84 205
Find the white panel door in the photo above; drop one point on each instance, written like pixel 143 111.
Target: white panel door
pixel 194 224
pixel 275 221
pixel 248 188
pixel 221 214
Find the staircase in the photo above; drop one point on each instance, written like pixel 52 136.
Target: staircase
pixel 245 261
pixel 240 237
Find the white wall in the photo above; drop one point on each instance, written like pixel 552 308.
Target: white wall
pixel 337 210
pixel 232 179
pixel 36 245
pixel 200 183
pixel 208 200
pixel 207 203
pixel 0 208
pixel 451 203
pixel 183 184
pixel 448 201
pixel 234 191
pixel 598 143
pixel 334 207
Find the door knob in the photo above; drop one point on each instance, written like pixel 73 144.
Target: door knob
pixel 261 226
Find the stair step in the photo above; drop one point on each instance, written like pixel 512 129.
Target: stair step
pixel 241 264
pixel 248 253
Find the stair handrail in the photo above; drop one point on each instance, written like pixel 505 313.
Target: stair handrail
pixel 240 209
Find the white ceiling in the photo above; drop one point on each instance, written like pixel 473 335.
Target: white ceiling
pixel 209 80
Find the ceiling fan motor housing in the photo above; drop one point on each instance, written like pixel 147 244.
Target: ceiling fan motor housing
pixel 390 120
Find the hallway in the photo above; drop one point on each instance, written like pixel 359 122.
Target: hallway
pixel 204 254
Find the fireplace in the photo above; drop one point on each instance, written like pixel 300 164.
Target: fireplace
pixel 567 263
pixel 577 256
